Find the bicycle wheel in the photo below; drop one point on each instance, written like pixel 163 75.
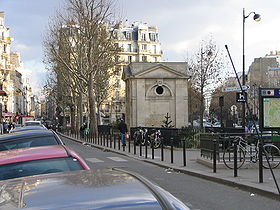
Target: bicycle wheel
pixel 143 140
pixel 228 157
pixel 273 156
pixel 157 143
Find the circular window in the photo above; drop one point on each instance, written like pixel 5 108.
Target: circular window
pixel 159 90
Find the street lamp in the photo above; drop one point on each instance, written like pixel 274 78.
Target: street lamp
pixel 257 18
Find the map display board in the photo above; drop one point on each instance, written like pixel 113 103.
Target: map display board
pixel 269 99
pixel 271 112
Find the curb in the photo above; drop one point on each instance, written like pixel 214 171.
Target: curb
pixel 186 171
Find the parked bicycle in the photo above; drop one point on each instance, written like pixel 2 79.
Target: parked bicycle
pixel 140 135
pixel 153 138
pixel 251 152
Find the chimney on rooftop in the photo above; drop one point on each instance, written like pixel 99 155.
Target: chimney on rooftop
pixel 2 14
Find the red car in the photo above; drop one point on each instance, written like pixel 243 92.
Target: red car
pixel 39 160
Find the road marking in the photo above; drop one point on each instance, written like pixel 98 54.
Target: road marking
pixel 94 160
pixel 117 159
pixel 150 156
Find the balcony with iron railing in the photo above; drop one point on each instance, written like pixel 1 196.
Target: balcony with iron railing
pixel 129 50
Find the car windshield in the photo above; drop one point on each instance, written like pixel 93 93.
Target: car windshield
pixel 27 128
pixel 35 167
pixel 28 142
pixel 31 123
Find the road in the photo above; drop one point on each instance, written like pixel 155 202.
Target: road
pixel 195 192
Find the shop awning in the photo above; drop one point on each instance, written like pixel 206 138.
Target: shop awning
pixel 3 93
pixel 8 114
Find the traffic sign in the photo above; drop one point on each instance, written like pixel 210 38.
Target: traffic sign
pixel 233 89
pixel 240 97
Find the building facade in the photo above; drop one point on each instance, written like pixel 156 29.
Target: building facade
pixel 12 88
pixel 138 42
pixel 263 72
pixel 155 90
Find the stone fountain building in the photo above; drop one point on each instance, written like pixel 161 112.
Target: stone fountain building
pixel 155 89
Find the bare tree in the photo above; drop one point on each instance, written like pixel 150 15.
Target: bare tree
pixel 207 70
pixel 80 41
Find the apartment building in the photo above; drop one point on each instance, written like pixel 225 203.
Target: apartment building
pixel 263 72
pixel 138 42
pixel 12 99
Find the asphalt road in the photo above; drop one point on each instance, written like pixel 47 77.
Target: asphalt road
pixel 195 192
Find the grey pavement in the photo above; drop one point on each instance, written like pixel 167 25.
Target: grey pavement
pixel 247 179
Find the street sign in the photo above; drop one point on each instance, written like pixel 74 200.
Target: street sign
pixel 240 97
pixel 233 89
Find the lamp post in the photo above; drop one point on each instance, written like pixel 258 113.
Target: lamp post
pixel 257 18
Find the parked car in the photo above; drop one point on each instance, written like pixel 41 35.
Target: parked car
pixel 27 128
pixel 39 160
pixel 32 123
pixel 217 124
pixel 31 138
pixel 48 124
pixel 93 189
pixel 196 123
pixel 265 135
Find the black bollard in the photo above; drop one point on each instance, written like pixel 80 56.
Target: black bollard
pixel 184 153
pixel 140 149
pixel 129 143
pixel 235 158
pixel 107 140
pixel 260 162
pixel 134 144
pixel 162 155
pixel 214 156
pixel 119 143
pixel 251 152
pixel 146 150
pixel 171 152
pixel 153 152
pixel 114 141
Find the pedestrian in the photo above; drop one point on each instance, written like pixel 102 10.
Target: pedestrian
pixel 123 131
pixel 6 127
pixel 247 131
pixel 1 128
pixel 82 130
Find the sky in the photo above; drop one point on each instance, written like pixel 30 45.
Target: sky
pixel 182 25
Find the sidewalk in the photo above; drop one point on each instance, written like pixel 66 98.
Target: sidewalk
pixel 247 179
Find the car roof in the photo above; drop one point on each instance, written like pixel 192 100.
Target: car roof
pixel 33 121
pixel 26 134
pixel 33 153
pixel 97 189
pixel 25 128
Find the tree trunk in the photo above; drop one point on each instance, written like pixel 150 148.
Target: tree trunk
pixel 81 108
pixel 72 116
pixel 201 108
pixel 77 113
pixel 92 106
pixel 98 117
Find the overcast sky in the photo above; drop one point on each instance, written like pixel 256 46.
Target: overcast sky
pixel 182 25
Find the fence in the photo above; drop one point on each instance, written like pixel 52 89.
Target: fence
pixel 110 140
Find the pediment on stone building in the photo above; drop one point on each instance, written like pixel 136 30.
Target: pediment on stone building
pixel 160 71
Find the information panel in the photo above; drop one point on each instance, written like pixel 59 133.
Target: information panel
pixel 269 109
pixel 271 112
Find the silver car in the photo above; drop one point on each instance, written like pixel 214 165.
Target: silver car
pixel 93 189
